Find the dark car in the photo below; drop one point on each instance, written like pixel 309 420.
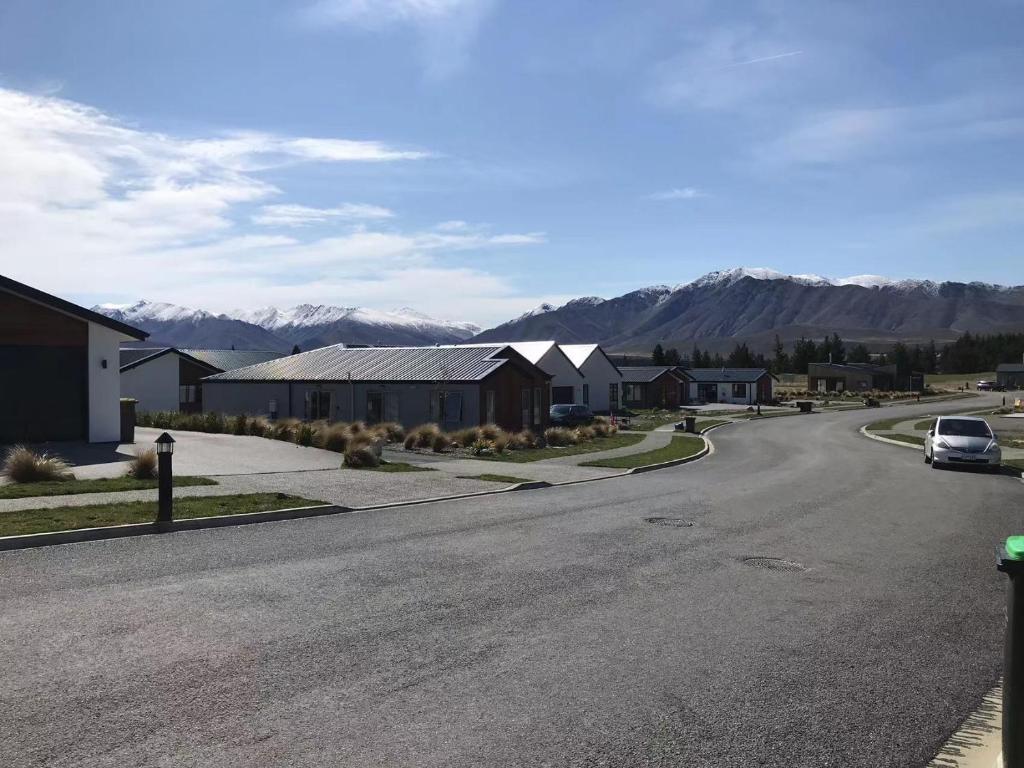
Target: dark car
pixel 570 415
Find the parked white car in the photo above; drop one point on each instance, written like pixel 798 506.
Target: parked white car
pixel 964 440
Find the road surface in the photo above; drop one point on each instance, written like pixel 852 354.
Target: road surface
pixel 544 628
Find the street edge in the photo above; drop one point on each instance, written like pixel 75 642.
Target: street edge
pixel 864 431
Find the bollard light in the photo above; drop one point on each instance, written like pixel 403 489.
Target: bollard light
pixel 1011 562
pixel 164 451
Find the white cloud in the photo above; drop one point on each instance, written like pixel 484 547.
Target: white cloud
pixel 446 29
pixel 684 193
pixel 291 215
pixel 92 207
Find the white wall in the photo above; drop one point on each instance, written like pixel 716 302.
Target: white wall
pixel 563 372
pixel 154 384
pixel 598 373
pixel 104 384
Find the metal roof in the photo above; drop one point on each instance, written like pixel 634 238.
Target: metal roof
pixel 336 363
pixel 1010 368
pixel 643 373
pixel 229 359
pixel 131 355
pixel 49 300
pixel 739 375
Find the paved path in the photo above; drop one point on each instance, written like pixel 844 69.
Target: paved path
pixel 551 627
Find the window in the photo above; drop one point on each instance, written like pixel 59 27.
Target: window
pixel 632 393
pixel 318 405
pixel 374 407
pixel 526 408
pixel 449 409
pixel 739 390
pixel 187 393
pixel 489 408
pixel 613 396
pixel 586 394
pixel 538 404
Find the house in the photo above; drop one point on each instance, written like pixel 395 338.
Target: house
pixel 602 380
pixel 742 386
pixel 59 368
pixel 1010 375
pixel 169 379
pixel 453 386
pixel 860 377
pixel 653 386
pixel 567 384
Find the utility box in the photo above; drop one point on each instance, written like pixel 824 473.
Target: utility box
pixel 128 419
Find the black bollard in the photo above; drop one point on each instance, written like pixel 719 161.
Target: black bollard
pixel 1011 562
pixel 165 481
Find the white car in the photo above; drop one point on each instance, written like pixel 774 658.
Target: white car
pixel 963 440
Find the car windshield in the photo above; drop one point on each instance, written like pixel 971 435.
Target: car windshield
pixel 560 409
pixel 964 428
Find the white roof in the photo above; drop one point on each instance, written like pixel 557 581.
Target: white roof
pixel 578 353
pixel 532 350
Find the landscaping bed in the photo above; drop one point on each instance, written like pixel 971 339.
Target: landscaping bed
pixel 97 515
pixel 681 447
pixel 618 440
pixel 102 485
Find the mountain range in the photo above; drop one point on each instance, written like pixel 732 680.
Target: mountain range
pixel 715 311
pixel 754 304
pixel 307 325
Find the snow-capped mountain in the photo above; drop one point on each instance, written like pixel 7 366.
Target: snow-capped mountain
pixel 754 304
pixel 307 325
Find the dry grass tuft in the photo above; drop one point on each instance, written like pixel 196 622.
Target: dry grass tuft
pixel 558 436
pixel 143 466
pixel 361 457
pixel 25 466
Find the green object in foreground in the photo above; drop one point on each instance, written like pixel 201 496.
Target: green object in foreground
pixel 1015 547
pixel 186 507
pixel 99 485
pixel 681 447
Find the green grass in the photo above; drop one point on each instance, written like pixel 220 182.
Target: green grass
pixel 885 425
pixel 647 420
pixel 396 466
pixel 95 515
pixel 1017 464
pixel 507 479
pixel 681 447
pixel 912 439
pixel 102 485
pixel 618 440
pixel 924 425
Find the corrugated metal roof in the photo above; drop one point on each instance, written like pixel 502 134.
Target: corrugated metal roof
pixel 336 363
pixel 642 373
pixel 133 355
pixel 229 359
pixel 748 375
pixel 1010 368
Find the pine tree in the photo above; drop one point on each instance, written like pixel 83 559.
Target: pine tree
pixel 295 349
pixel 658 355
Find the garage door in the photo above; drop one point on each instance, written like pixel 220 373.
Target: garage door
pixel 561 395
pixel 43 394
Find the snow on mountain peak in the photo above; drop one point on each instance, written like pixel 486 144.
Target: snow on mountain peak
pixel 142 311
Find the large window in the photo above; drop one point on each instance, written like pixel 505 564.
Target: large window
pixel 739 390
pixel 318 405
pixel 632 393
pixel 526 408
pixel 538 404
pixel 613 396
pixel 187 393
pixel 449 409
pixel 490 406
pixel 586 394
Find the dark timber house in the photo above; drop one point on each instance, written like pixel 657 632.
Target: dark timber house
pixel 453 386
pixel 652 386
pixel 860 377
pixel 58 368
pixel 1010 375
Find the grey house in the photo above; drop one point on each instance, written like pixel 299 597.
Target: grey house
pixel 454 386
pixel 1010 375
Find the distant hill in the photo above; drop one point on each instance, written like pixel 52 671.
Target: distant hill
pixel 755 304
pixel 307 325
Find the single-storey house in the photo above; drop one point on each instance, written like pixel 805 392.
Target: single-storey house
pixel 1010 375
pixel 860 377
pixel 742 386
pixel 453 386
pixel 170 379
pixel 567 384
pixel 58 368
pixel 653 386
pixel 602 380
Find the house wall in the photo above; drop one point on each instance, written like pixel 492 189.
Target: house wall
pixel 154 384
pixel 598 375
pixel 662 392
pixel 563 372
pixel 104 384
pixel 1010 379
pixel 762 390
pixel 508 383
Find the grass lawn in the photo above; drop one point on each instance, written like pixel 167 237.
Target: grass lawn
pixel 912 439
pixel 396 466
pixel 885 424
pixel 1017 464
pixel 507 479
pixel 618 440
pixel 102 485
pixel 925 425
pixel 95 515
pixel 681 447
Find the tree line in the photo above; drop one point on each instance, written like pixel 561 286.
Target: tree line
pixel 968 354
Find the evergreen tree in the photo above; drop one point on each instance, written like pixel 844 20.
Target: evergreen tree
pixel 859 354
pixel 780 362
pixel 805 351
pixel 717 361
pixel 838 349
pixel 295 349
pixel 658 355
pixel 672 357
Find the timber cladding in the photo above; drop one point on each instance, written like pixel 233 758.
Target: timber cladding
pixel 509 383
pixel 25 323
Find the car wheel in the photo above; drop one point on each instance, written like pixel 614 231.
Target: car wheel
pixel 927 458
pixel 935 464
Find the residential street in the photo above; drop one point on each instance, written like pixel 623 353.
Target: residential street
pixel 552 627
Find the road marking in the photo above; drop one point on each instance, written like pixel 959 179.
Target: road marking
pixel 978 741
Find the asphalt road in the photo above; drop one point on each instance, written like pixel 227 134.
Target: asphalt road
pixel 545 628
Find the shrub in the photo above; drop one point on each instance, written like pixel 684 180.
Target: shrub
pixel 25 466
pixel 284 429
pixel 481 447
pixel 336 438
pixel 214 423
pixel 410 441
pixel 356 427
pixel 440 443
pixel 361 458
pixel 361 439
pixel 425 434
pixel 601 428
pixel 466 437
pixel 559 436
pixel 584 434
pixel 390 431
pixel 239 425
pixel 490 431
pixel 500 443
pixel 304 434
pixel 259 426
pixel 522 440
pixel 143 466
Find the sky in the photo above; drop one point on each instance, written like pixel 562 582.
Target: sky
pixel 474 158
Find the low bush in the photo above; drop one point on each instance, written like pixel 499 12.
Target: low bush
pixel 481 447
pixel 390 431
pixel 464 438
pixel 558 436
pixel 239 425
pixel 522 440
pixel 425 434
pixel 214 423
pixel 440 443
pixel 357 427
pixel 25 466
pixel 410 441
pixel 258 426
pixel 336 438
pixel 361 457
pixel 500 442
pixel 490 431
pixel 143 466
pixel 584 434
pixel 304 434
pixel 284 429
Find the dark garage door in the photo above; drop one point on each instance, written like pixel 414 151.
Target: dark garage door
pixel 43 392
pixel 560 395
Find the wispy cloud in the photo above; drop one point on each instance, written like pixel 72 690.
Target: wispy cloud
pixel 682 193
pixel 761 59
pixel 86 200
pixel 446 29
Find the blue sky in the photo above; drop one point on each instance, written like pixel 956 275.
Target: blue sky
pixel 473 158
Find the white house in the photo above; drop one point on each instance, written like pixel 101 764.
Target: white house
pixel 58 368
pixel 602 380
pixel 567 384
pixel 740 386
